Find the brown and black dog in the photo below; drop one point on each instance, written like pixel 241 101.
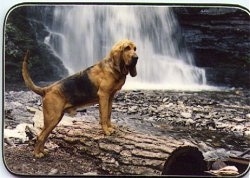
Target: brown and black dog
pixel 96 84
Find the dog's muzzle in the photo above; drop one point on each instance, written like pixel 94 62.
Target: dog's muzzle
pixel 134 60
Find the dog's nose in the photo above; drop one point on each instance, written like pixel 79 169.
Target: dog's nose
pixel 134 60
pixel 135 57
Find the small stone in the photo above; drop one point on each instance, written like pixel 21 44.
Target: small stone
pixel 53 171
pixel 90 173
pixel 248 116
pixel 238 128
pixel 169 105
pixel 9 142
pixel 218 165
pixel 152 109
pixel 126 153
pixel 189 122
pixel 220 125
pixel 151 118
pixel 31 109
pixel 132 109
pixel 186 115
pixel 247 133
pixel 164 100
pixel 237 119
pixel 17 104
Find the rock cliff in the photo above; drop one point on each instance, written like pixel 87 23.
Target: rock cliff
pixel 22 32
pixel 219 39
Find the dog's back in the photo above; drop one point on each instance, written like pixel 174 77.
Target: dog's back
pixel 78 88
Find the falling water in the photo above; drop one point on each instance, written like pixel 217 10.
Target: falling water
pixel 81 35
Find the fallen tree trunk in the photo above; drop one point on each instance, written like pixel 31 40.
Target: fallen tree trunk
pixel 124 152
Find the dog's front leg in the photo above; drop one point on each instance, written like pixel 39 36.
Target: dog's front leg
pixel 111 127
pixel 104 111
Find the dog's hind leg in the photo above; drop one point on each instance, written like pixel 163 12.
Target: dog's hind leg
pixel 53 114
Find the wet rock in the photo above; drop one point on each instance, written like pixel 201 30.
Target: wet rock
pixel 220 125
pixel 18 134
pixel 189 122
pixel 218 165
pixel 132 109
pixel 182 112
pixel 247 133
pixel 214 155
pixel 186 115
pixel 9 141
pixel 238 128
pixel 164 100
pixel 53 171
pixel 238 119
pixel 90 174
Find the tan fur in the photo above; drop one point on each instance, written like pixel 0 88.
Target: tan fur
pixel 103 80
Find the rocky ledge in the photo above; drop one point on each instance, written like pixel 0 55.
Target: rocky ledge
pixel 215 115
pixel 151 124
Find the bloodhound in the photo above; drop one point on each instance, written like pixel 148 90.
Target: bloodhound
pixel 96 84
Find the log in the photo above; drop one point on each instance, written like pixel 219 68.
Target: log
pixel 127 151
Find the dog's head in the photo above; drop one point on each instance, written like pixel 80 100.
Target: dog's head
pixel 124 57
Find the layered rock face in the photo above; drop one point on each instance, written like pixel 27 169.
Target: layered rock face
pixel 24 31
pixel 219 39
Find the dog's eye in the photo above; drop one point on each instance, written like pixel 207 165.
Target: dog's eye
pixel 134 48
pixel 127 48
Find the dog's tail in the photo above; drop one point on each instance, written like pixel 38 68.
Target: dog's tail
pixel 26 76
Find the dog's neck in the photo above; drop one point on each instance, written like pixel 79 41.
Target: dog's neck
pixel 116 69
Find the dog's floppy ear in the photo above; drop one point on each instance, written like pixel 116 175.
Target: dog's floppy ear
pixel 116 56
pixel 123 68
pixel 132 71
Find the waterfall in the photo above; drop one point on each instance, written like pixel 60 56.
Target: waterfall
pixel 80 35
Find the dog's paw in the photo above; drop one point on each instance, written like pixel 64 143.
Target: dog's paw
pixel 45 152
pixel 39 155
pixel 111 130
pixel 107 132
pixel 113 126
